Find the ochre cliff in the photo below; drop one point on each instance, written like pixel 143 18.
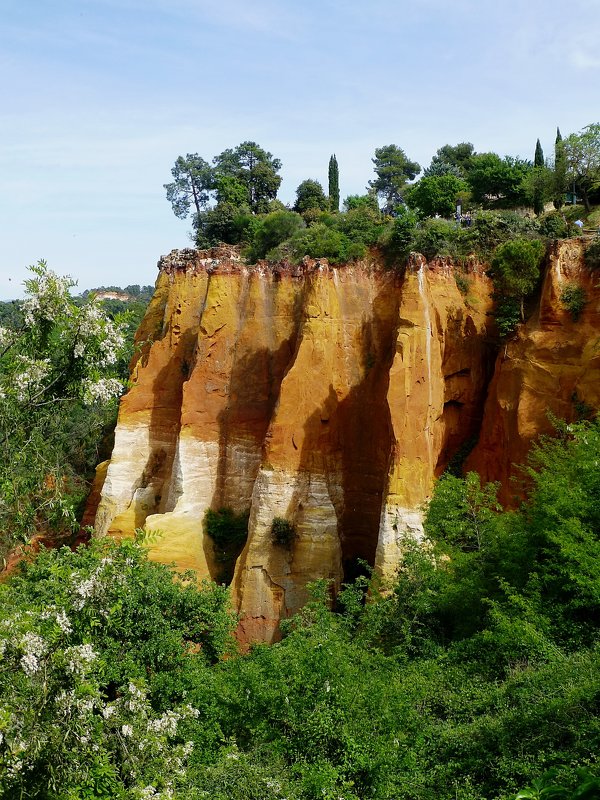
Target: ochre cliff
pixel 549 368
pixel 331 397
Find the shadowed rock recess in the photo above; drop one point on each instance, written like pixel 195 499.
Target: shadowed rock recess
pixel 328 396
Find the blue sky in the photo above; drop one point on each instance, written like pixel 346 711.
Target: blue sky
pixel 99 97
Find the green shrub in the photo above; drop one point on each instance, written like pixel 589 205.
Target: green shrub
pixel 515 269
pixel 508 314
pixel 272 230
pixel 397 238
pixel 462 283
pixel 437 237
pixel 592 254
pixel 318 241
pixel 100 649
pixel 573 299
pixel 491 228
pixel 283 533
pixel 555 226
pixel 362 224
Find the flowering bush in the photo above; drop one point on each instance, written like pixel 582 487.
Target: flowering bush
pixel 58 383
pixel 97 647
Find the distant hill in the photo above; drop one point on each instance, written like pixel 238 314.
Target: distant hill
pixel 115 300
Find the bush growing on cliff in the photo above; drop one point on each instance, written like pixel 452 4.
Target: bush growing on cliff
pixel 476 673
pixel 397 239
pixel 592 255
pixel 438 237
pixel 272 230
pixel 573 299
pixel 516 268
pixel 283 533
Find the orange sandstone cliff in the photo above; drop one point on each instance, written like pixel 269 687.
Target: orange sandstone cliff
pixel 550 368
pixel 331 397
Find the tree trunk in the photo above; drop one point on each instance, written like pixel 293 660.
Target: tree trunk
pixel 586 201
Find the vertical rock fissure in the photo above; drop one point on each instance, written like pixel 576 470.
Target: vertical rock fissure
pixel 366 438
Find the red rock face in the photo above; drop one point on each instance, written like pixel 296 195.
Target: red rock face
pixel 551 367
pixel 330 397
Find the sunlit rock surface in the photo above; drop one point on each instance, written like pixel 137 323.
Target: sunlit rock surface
pixel 331 397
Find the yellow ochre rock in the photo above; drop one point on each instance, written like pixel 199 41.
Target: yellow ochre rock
pixel 331 397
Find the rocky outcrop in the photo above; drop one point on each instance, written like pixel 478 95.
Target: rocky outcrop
pixel 549 368
pixel 330 397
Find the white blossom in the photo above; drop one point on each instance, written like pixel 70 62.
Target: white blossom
pixel 165 724
pixel 49 296
pixel 34 648
pixel 7 336
pixel 32 373
pixel 63 621
pixel 103 389
pixel 126 730
pixel 80 657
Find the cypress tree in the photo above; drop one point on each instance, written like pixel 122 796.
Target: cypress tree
pixel 538 194
pixel 334 184
pixel 560 171
pixel 538 160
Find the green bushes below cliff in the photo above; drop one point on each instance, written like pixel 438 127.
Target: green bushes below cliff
pixel 474 676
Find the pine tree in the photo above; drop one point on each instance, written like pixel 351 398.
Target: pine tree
pixel 538 195
pixel 560 171
pixel 334 184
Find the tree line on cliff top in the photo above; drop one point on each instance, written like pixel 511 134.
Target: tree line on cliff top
pixel 476 673
pixel 234 199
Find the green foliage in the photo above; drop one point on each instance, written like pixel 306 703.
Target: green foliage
pixel 473 673
pixel 507 313
pixel 560 172
pixel 254 169
pixel 582 157
pixel 192 182
pixel 272 230
pixel 461 511
pixel 361 201
pixel 555 226
pixel 95 672
pixel 462 283
pixel 539 195
pixel 490 229
pixel 333 174
pixel 438 237
pixel 498 182
pixel 437 194
pixel 592 255
pixel 310 195
pixel 516 268
pixel 398 239
pixel 548 788
pixel 229 532
pixel 283 533
pixel 362 224
pixel 574 299
pixel 321 241
pixel 224 223
pixel 58 384
pixel 451 160
pixel 393 169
